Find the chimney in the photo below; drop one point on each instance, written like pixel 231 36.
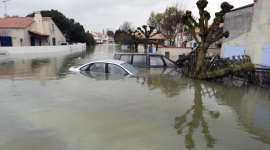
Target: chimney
pixel 38 20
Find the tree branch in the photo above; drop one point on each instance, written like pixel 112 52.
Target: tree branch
pixel 225 34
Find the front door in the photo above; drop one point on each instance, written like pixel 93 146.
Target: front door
pixel 266 55
pixel 32 39
pixel 54 43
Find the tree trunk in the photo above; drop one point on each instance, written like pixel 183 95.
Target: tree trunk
pixel 145 47
pixel 200 58
pixel 136 48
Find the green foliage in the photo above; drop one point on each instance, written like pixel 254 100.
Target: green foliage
pixel 117 36
pixel 110 33
pixel 73 31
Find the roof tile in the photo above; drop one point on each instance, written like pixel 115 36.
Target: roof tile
pixel 18 22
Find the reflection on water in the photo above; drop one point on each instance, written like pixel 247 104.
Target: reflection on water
pixel 103 76
pixel 196 112
pixel 44 106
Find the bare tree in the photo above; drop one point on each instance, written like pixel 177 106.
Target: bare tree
pixel 126 26
pixel 208 35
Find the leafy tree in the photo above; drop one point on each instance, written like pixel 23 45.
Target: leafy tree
pixel 110 33
pixel 155 20
pixel 168 22
pixel 117 35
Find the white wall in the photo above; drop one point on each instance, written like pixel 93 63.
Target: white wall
pixel 176 51
pixel 259 34
pixel 41 49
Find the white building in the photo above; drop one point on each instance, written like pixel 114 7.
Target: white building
pixel 182 40
pixel 29 31
pixel 249 28
pixel 102 38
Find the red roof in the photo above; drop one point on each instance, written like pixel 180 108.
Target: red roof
pixel 38 33
pixel 18 22
pixel 98 34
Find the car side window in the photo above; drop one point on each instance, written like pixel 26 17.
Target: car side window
pixel 85 68
pixel 168 62
pixel 156 61
pixel 98 67
pixel 126 58
pixel 139 59
pixel 115 69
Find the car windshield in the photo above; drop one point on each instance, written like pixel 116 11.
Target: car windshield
pixel 130 68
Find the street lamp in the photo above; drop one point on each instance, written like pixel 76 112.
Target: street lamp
pixel 5 1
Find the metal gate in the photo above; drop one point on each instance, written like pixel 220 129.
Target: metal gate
pixel 233 51
pixel 266 55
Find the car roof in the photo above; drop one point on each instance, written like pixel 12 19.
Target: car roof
pixel 118 62
pixel 137 54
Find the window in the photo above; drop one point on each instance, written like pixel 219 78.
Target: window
pixel 190 44
pixel 126 58
pixel 130 68
pixel 85 68
pixel 98 67
pixel 139 59
pixel 168 62
pixel 156 61
pixel 114 69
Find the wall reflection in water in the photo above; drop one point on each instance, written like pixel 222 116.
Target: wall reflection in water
pixel 40 67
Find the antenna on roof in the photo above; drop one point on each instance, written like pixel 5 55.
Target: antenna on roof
pixel 5 1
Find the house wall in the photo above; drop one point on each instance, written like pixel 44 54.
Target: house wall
pixel 53 31
pixel 251 33
pixel 191 43
pixel 47 27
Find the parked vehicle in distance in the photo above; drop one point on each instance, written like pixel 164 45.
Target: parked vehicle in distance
pixel 144 60
pixel 107 66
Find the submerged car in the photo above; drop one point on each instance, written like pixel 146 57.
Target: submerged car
pixel 107 66
pixel 145 60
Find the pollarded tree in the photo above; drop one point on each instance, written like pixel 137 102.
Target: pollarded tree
pixel 208 35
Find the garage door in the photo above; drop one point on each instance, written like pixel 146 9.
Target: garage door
pixel 6 41
pixel 266 55
pixel 233 51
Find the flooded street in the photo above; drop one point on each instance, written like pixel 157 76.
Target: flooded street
pixel 43 106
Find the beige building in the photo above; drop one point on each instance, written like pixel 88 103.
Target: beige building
pixel 30 31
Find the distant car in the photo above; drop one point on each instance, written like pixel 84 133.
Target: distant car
pixel 144 60
pixel 107 66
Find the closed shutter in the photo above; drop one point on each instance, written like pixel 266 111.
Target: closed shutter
pixel 233 51
pixel 266 55
pixel 6 41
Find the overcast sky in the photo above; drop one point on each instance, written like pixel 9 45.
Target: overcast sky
pixel 96 15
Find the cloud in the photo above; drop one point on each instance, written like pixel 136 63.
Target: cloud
pixel 96 15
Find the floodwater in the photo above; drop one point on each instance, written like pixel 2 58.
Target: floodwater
pixel 43 106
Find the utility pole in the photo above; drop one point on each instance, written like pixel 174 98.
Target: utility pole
pixel 5 1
